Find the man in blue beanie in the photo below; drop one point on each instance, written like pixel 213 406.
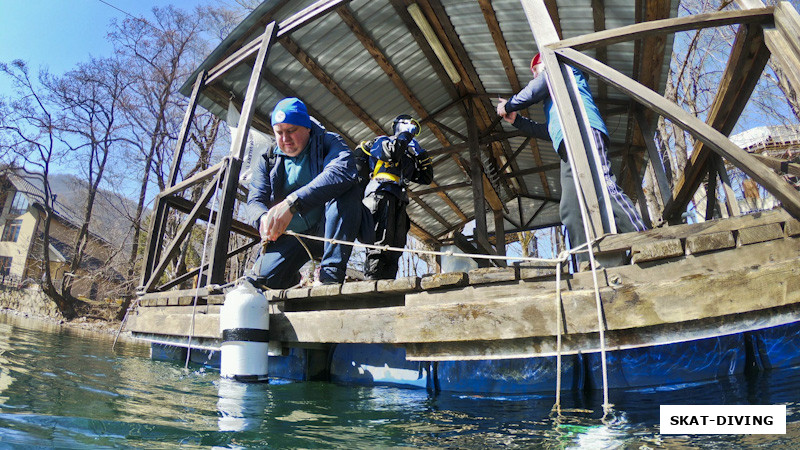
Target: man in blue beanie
pixel 305 183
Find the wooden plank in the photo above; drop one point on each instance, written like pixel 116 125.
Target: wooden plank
pixel 325 290
pixel 175 321
pixel 613 243
pixel 572 116
pixel 217 263
pixel 792 227
pixel 657 250
pixel 709 242
pixel 779 165
pixel 492 275
pixel 760 233
pixel 787 20
pixel 194 272
pixel 401 285
pixel 673 302
pixel 665 26
pixel 194 179
pixel 709 136
pixel 655 161
pixel 186 206
pixel 507 312
pixel 356 288
pixel 296 293
pixel 442 280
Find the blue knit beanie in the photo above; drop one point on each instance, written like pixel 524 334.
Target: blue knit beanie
pixel 291 110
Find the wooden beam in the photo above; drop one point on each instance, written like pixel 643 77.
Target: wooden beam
pixel 194 272
pixel 180 235
pixel 183 135
pixel 476 171
pixel 291 24
pixel 780 166
pixel 449 187
pixel 716 141
pixel 333 87
pixel 222 230
pixel 648 131
pixel 500 237
pixel 435 214
pixel 383 62
pixel 748 58
pixel 195 179
pixel 641 30
pixel 185 206
pixel 440 21
pixel 781 45
pixel 539 169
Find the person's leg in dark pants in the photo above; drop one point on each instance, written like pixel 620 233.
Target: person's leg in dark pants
pixel 279 266
pixel 391 228
pixel 342 221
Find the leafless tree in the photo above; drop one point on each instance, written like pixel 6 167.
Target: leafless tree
pixel 30 142
pixel 89 99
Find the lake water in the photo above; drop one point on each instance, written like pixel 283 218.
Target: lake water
pixel 66 388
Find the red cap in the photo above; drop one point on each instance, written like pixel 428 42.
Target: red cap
pixel 536 60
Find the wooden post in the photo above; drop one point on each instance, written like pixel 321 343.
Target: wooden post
pixel 500 237
pixel 730 196
pixel 476 174
pixel 640 200
pixel 222 231
pixel 654 157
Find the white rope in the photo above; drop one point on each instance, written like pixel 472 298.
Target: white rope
pixel 217 180
pixel 559 318
pixel 562 257
pixel 439 253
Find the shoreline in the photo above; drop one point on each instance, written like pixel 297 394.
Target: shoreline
pixel 108 327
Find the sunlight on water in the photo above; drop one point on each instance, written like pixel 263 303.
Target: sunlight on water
pixel 67 389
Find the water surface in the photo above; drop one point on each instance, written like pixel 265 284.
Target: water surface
pixel 67 388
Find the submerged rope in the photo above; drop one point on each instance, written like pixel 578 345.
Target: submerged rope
pixel 557 406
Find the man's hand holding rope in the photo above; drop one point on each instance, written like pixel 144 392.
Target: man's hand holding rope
pixel 273 224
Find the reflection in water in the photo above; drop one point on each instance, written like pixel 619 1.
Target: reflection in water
pixel 242 405
pixel 67 389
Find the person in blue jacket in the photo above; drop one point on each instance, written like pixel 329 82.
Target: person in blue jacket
pixel 306 183
pixel 626 217
pixel 393 162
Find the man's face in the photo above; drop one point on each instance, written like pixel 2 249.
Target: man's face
pixel 292 139
pixel 537 69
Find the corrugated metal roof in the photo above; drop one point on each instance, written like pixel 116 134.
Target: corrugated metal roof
pixel 337 51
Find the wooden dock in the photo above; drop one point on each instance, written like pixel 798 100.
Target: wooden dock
pixel 683 282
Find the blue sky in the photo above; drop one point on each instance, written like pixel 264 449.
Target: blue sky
pixel 60 33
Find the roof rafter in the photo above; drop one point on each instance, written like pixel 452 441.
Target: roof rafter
pixel 377 54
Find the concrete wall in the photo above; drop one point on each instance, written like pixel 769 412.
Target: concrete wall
pixel 29 300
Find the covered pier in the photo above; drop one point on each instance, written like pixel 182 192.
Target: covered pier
pixel 358 64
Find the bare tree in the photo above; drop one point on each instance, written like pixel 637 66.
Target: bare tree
pixel 89 100
pixel 159 56
pixel 31 143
